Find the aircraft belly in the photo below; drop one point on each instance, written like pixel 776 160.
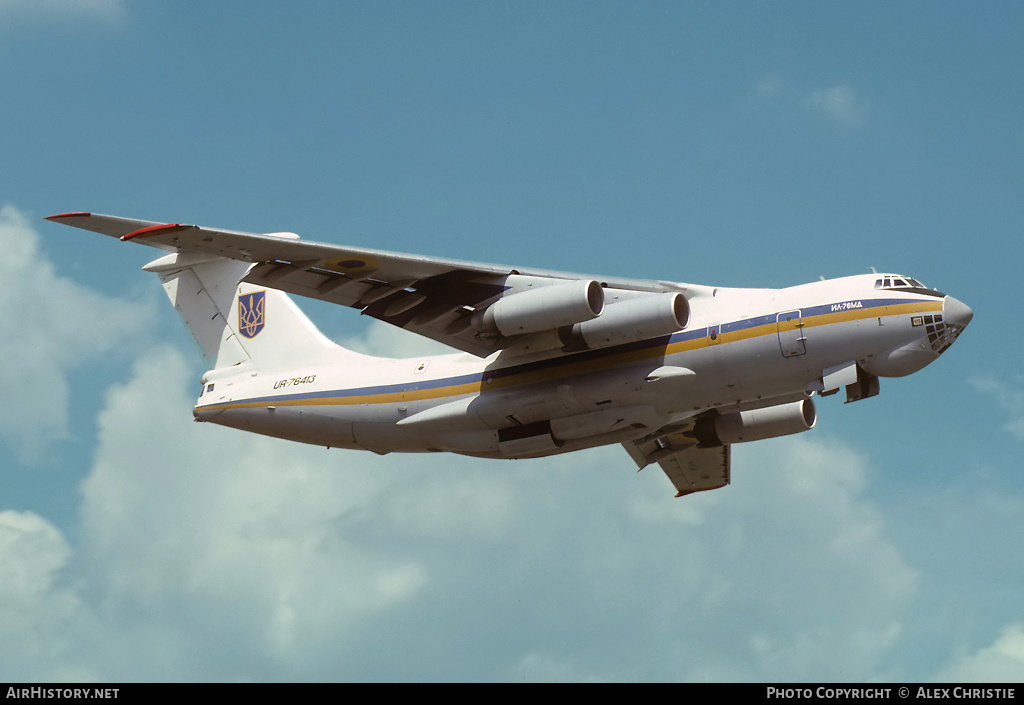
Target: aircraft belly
pixel 303 425
pixel 466 442
pixel 596 423
pixel 526 404
pixel 558 446
pixel 386 437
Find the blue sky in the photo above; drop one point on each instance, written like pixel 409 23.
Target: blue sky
pixel 733 144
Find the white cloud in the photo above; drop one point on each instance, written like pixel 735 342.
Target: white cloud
pixel 38 614
pixel 32 551
pixel 48 326
pixel 1000 662
pixel 840 104
pixel 541 668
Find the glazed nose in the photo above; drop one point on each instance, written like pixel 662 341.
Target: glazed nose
pixel 956 312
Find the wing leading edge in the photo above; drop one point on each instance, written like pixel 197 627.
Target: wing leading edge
pixel 433 297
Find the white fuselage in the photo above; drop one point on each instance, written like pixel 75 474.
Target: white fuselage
pixel 741 348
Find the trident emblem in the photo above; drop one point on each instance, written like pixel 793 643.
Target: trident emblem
pixel 252 313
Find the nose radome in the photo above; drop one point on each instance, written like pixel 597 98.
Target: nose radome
pixel 956 312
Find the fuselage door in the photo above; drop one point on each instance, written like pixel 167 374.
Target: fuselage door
pixel 714 336
pixel 791 333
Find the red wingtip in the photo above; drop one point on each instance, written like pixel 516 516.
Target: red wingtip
pixel 156 230
pixel 68 215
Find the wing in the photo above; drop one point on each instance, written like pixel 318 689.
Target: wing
pixel 430 296
pixel 689 467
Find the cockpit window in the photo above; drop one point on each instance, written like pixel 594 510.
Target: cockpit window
pixel 899 282
pixel 893 281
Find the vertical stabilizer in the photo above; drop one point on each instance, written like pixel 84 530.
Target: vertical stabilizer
pixel 236 322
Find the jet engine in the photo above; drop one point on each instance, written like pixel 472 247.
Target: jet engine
pixel 754 425
pixel 644 317
pixel 543 308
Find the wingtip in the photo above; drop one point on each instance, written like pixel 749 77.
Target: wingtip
pixel 76 214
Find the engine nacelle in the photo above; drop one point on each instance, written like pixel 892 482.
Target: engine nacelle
pixel 756 424
pixel 640 318
pixel 543 308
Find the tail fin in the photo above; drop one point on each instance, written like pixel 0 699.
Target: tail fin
pixel 236 322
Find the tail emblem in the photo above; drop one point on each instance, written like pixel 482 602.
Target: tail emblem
pixel 252 313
